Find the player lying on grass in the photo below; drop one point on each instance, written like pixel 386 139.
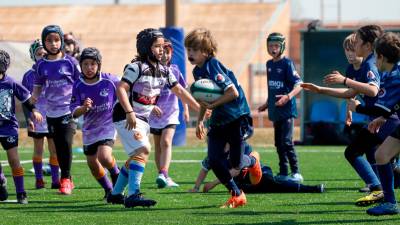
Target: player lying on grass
pixel 268 183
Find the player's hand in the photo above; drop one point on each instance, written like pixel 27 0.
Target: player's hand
pixel 263 107
pixel 334 78
pixel 87 104
pixel 186 116
pixel 349 118
pixel 31 125
pixel 130 121
pixel 311 87
pixel 36 116
pixel 200 131
pixel 207 114
pixel 33 99
pixel 157 111
pixel 352 104
pixel 282 100
pixel 206 105
pixel 375 124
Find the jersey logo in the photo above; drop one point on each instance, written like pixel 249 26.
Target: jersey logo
pixel 269 69
pixel 371 75
pixel 104 92
pixel 381 93
pixel 279 70
pixel 64 71
pixel 11 139
pixel 219 78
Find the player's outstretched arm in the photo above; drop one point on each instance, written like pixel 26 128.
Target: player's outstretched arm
pixel 335 92
pixel 186 97
pixel 363 88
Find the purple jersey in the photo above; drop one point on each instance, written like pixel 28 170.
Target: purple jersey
pixel 57 77
pixel 146 86
pixel 168 103
pixel 8 90
pixel 97 123
pixel 28 81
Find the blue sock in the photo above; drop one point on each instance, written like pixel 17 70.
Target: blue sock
pixel 136 169
pixel 122 181
pixel 386 175
pixel 364 170
pixel 233 188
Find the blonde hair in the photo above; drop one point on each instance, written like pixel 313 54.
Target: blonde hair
pixel 350 42
pixel 201 39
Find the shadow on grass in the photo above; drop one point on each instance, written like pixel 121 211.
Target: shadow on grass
pixel 295 222
pixel 319 203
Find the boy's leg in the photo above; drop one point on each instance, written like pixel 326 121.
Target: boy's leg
pixel 54 167
pixel 287 142
pixel 38 146
pixel 107 160
pixel 18 173
pixel 96 168
pixel 283 160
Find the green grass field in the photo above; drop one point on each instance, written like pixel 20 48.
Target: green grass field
pixel 175 206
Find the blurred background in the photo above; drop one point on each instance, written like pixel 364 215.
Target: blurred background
pixel 314 31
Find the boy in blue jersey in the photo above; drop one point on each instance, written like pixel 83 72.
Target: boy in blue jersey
pixel 387 53
pixel 9 90
pixel 230 118
pixel 283 85
pixel 367 86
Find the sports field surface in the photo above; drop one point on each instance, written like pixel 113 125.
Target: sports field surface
pixel 176 206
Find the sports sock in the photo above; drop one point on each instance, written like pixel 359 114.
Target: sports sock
pixel 2 177
pixel 38 167
pixel 233 188
pixel 122 181
pixel 54 170
pixel 114 170
pixel 136 169
pixel 386 175
pixel 164 172
pixel 364 170
pixel 18 176
pixel 103 180
pixel 248 161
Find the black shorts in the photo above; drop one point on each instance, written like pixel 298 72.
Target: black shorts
pixel 92 149
pixel 9 142
pixel 396 133
pixel 37 135
pixel 157 131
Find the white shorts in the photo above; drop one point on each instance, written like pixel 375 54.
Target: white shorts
pixel 133 139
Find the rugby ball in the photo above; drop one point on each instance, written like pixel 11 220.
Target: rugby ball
pixel 206 90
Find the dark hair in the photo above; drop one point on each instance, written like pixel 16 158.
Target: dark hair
pixel 388 45
pixel 144 41
pixel 369 33
pixel 4 61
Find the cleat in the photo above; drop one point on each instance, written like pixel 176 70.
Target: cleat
pixel 161 181
pixel 171 183
pixel 281 177
pixel 3 190
pixel 235 201
pixel 22 198
pixel 385 208
pixel 138 200
pixel 106 193
pixel 115 199
pixel 255 173
pixel 66 186
pixel 114 178
pixel 296 178
pixel 320 188
pixel 39 184
pixel 372 198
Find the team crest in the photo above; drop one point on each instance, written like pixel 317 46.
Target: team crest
pixel 269 69
pixel 137 135
pixel 104 92
pixel 11 139
pixel 64 70
pixel 371 75
pixel 279 70
pixel 219 78
pixel 381 93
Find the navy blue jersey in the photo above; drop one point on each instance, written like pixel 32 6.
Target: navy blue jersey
pixel 224 78
pixel 389 93
pixel 351 72
pixel 282 77
pixel 369 74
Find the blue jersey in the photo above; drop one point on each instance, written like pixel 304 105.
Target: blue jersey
pixel 352 73
pixel 389 93
pixel 282 77
pixel 369 74
pixel 224 78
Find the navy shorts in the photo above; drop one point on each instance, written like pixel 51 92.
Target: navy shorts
pixel 37 135
pixel 92 149
pixel 9 142
pixel 157 131
pixel 396 133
